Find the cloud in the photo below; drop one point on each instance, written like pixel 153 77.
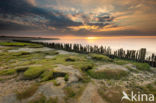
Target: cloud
pixel 105 19
pixel 32 2
pixel 22 9
pixel 79 16
pixel 14 26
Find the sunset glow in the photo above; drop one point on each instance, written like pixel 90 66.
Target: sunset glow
pixel 70 51
pixel 91 38
pixel 78 18
pixel 99 37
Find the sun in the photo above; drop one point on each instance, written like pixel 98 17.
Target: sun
pixel 90 38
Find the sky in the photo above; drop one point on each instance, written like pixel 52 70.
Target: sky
pixel 79 18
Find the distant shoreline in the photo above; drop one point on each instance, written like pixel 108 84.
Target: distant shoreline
pixel 25 38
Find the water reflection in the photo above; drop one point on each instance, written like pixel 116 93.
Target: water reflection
pixel 116 43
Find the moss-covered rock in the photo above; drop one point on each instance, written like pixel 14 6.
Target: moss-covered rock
pixel 86 66
pixel 33 72
pixel 7 72
pixel 47 75
pixel 66 77
pixel 108 73
pixel 22 68
pixel 101 57
pixel 142 66
pixel 70 59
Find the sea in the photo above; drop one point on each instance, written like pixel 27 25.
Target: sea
pixel 114 43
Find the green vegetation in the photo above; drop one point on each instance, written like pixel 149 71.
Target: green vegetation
pixel 70 92
pixel 86 78
pixel 43 99
pixel 49 52
pixel 56 83
pixel 7 72
pixel 148 88
pixel 27 92
pixel 100 57
pixel 15 59
pixel 151 88
pixel 112 95
pixel 33 72
pixel 87 66
pixel 35 65
pixel 78 61
pixel 74 91
pixel 131 69
pixel 71 59
pixel 142 66
pixel 108 74
pixel 66 78
pixel 21 44
pixel 121 62
pixel 47 75
pixel 20 53
pixel 21 69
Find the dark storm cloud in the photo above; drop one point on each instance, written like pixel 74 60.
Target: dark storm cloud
pixel 21 8
pixel 98 24
pixel 105 19
pixel 14 26
pixel 78 17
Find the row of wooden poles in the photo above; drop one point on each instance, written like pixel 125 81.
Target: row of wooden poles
pixel 135 55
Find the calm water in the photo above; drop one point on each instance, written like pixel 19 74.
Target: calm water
pixel 116 43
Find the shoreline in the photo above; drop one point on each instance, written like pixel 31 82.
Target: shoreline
pixel 134 55
pixel 30 73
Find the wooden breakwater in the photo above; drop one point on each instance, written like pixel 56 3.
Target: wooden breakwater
pixel 135 55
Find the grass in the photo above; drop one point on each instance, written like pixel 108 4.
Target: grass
pixel 142 66
pixel 73 92
pixel 146 89
pixel 108 74
pixel 86 78
pixel 20 53
pixel 77 61
pixel 15 59
pixel 74 58
pixel 33 72
pixel 139 66
pixel 131 69
pixel 21 44
pixel 70 92
pixel 43 99
pixel 66 78
pixel 87 66
pixel 7 72
pixel 112 95
pixel 151 88
pixel 70 59
pixel 121 62
pixel 21 69
pixel 49 52
pixel 56 83
pixel 100 57
pixel 47 75
pixel 27 92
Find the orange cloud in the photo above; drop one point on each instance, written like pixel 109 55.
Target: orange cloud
pixel 33 2
pixel 87 27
